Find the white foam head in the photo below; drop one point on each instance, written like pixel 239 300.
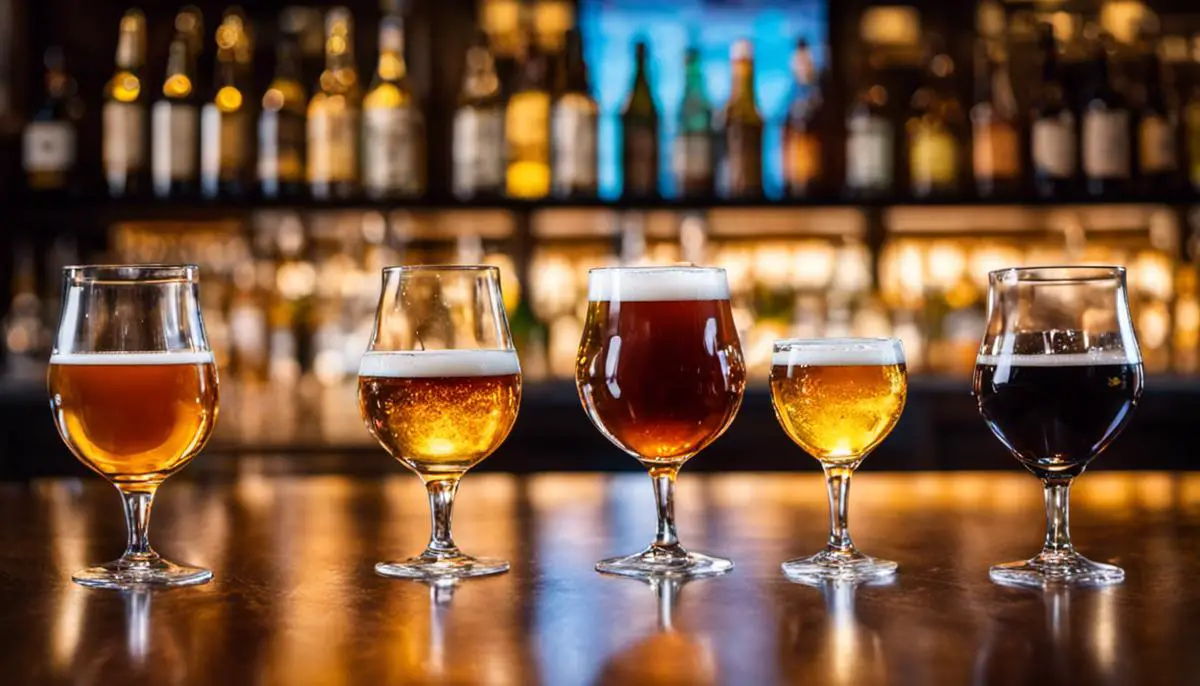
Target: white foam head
pixel 838 352
pixel 646 284
pixel 1088 359
pixel 129 359
pixel 439 363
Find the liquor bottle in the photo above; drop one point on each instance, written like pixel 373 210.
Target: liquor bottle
pixel 693 142
pixel 281 125
pixel 527 127
pixel 995 139
pixel 333 115
pixel 124 113
pixel 742 130
pixel 1158 160
pixel 393 125
pixel 639 141
pixel 175 125
pixel 478 145
pixel 1052 128
pixel 224 120
pixel 573 121
pixel 934 132
pixel 870 141
pixel 803 173
pixel 51 136
pixel 1105 135
pixel 1191 121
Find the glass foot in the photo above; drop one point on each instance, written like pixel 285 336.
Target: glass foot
pixel 657 561
pixel 830 565
pixel 442 567
pixel 124 574
pixel 1048 570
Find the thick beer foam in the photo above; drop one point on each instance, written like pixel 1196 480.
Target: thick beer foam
pixel 838 355
pixel 130 359
pixel 1093 359
pixel 439 363
pixel 656 285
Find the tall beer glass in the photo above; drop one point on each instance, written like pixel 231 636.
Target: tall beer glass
pixel 439 388
pixel 133 389
pixel 838 398
pixel 660 373
pixel 1058 375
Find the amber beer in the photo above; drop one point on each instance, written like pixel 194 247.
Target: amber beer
pixel 838 403
pixel 134 417
pixel 660 370
pixel 440 411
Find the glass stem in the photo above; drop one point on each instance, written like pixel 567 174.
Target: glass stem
pixel 664 499
pixel 441 503
pixel 138 501
pixel 837 480
pixel 1058 530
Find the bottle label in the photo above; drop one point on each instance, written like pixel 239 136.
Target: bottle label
pixel 222 143
pixel 1106 144
pixel 994 149
pixel 1156 145
pixel 527 132
pixel 332 150
pixel 693 158
pixel 573 136
pixel 933 157
pixel 802 158
pixel 869 153
pixel 391 159
pixel 1054 146
pixel 478 150
pixel 124 147
pixel 49 146
pixel 280 147
pixel 173 129
pixel 641 174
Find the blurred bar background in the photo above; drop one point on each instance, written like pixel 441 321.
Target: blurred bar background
pixel 857 167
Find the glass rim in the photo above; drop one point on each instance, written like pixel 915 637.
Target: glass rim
pixel 1056 273
pixel 431 268
pixel 658 268
pixel 131 274
pixel 838 342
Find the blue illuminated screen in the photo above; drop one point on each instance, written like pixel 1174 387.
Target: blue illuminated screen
pixel 611 27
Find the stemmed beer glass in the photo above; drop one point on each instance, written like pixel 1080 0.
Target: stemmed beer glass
pixel 660 374
pixel 1058 375
pixel 439 388
pixel 133 389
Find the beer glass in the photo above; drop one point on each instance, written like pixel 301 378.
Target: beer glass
pixel 660 373
pixel 133 389
pixel 838 398
pixel 439 388
pixel 1058 375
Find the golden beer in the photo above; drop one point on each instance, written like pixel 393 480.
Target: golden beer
pixel 838 406
pixel 440 411
pixel 134 417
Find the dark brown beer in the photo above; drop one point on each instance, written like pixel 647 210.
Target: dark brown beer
pixel 440 411
pixel 660 369
pixel 134 417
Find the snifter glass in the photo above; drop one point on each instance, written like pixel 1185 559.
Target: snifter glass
pixel 660 373
pixel 439 388
pixel 1058 375
pixel 838 398
pixel 133 389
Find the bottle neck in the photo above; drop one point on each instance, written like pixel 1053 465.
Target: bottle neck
pixel 287 63
pixel 743 80
pixel 694 79
pixel 392 66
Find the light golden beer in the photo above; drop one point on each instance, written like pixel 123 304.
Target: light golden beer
pixel 440 411
pixel 838 404
pixel 134 417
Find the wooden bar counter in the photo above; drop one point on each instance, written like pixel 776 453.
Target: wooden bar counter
pixel 295 600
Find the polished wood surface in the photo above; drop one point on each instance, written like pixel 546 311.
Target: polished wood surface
pixel 295 601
